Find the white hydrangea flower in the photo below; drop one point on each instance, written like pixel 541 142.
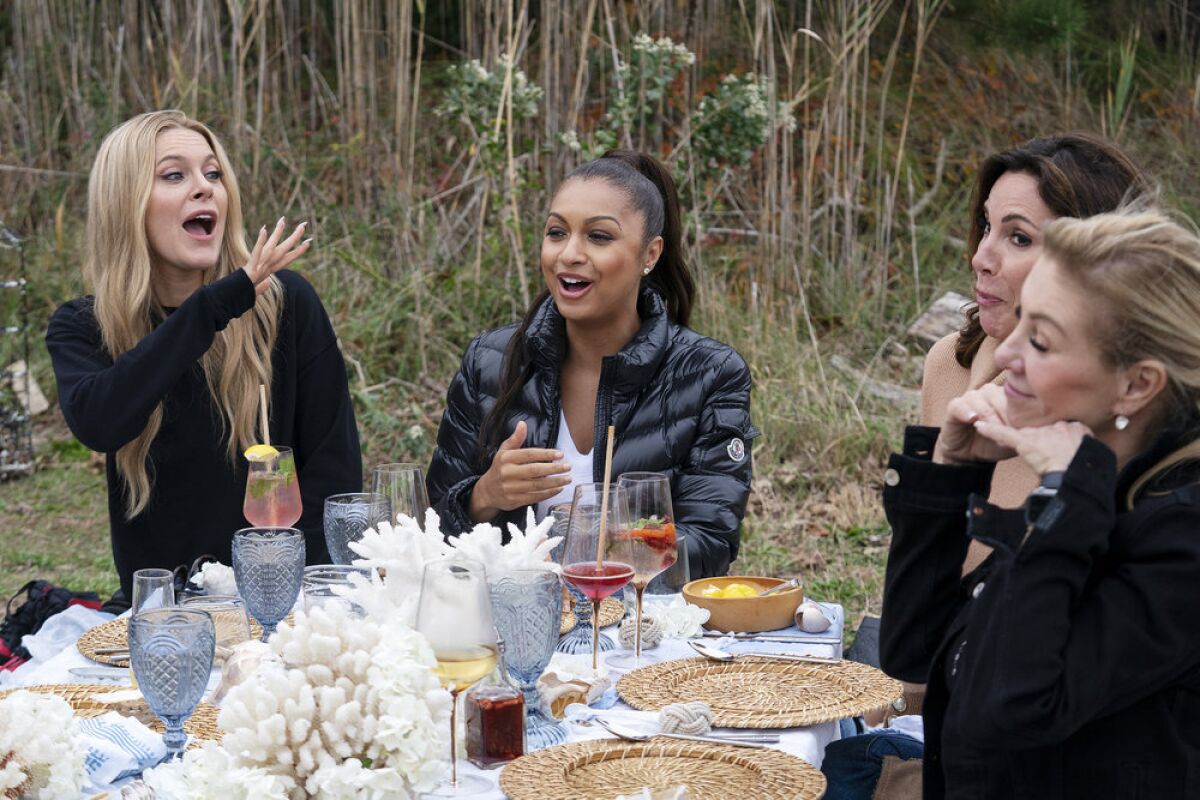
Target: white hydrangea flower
pixel 212 771
pixel 41 749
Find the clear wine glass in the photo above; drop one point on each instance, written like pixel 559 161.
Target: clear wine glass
pixel 273 491
pixel 527 608
pixel 152 588
pixel 347 517
pixel 268 565
pixel 171 652
pixel 404 487
pixel 325 585
pixel 651 542
pixel 454 613
pixel 231 623
pixel 596 556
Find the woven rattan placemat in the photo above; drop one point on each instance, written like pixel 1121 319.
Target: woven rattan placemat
pixel 760 693
pixel 602 769
pixel 115 633
pixel 81 697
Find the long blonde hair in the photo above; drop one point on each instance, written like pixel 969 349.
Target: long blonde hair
pixel 117 267
pixel 1140 271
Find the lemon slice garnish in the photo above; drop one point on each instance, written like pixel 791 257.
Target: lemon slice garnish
pixel 260 452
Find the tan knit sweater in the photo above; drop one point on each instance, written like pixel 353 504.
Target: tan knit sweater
pixel 945 379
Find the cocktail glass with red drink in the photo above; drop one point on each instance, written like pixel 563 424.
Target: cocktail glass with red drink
pixel 596 559
pixel 651 545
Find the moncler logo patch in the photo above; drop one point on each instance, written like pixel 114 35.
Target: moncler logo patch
pixel 736 449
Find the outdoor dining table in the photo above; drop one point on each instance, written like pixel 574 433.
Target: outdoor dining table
pixel 807 743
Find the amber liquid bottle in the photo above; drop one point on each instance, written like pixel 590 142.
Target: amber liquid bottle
pixel 495 719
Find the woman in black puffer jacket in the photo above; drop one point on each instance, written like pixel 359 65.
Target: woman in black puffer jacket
pixel 605 344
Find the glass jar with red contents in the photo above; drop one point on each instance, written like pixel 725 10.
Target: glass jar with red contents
pixel 495 718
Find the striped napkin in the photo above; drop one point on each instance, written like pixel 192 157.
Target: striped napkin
pixel 119 747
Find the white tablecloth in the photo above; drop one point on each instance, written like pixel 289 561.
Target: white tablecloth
pixel 806 743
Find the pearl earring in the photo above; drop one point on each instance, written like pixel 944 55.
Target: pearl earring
pixel 1121 422
pixel 646 271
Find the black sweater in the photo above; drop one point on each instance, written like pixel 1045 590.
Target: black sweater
pixel 1067 666
pixel 196 495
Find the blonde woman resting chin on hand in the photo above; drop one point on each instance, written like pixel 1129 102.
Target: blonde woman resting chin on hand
pixel 1065 665
pixel 160 367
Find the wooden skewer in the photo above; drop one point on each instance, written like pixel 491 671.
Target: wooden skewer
pixel 604 502
pixel 266 428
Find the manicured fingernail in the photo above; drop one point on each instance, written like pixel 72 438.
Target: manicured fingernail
pixel 976 423
pixel 558 454
pixel 277 224
pixel 307 241
pixel 262 230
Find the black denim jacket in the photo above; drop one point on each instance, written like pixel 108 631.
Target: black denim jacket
pixel 1066 665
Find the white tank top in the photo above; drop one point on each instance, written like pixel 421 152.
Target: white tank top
pixel 580 463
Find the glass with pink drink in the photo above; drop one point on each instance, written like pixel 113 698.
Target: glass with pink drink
pixel 272 488
pixel 596 555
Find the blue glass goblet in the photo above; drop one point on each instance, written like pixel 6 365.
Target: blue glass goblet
pixel 268 565
pixel 527 611
pixel 578 639
pixel 347 517
pixel 171 651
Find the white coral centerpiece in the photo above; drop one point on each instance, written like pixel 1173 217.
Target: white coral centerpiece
pixel 41 749
pixel 401 552
pixel 349 707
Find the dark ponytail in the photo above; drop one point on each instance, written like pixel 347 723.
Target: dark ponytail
pixel 651 191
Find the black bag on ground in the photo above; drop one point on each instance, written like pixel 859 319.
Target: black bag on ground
pixel 42 601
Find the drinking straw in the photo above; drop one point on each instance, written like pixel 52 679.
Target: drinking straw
pixel 604 501
pixel 262 397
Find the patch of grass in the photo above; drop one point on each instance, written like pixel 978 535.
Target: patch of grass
pixel 54 525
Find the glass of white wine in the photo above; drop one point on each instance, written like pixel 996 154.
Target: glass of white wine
pixel 454 613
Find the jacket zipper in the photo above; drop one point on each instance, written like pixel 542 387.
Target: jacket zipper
pixel 603 417
pixel 556 405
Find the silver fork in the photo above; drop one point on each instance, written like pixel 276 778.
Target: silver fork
pixel 758 740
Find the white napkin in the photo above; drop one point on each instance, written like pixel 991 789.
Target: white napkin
pixel 118 747
pixel 62 630
pixel 679 618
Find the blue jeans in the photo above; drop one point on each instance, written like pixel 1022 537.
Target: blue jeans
pixel 852 765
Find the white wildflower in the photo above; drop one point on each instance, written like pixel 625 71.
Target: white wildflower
pixel 571 140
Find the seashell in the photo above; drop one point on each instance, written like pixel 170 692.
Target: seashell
pixel 652 632
pixel 136 791
pixel 812 618
pixel 243 659
pixel 559 691
pixel 692 719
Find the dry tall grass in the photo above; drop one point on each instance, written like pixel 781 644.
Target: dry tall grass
pixel 828 241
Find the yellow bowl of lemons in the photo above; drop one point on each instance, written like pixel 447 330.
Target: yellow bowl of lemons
pixel 734 605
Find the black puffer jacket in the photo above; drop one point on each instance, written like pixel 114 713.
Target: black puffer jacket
pixel 680 403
